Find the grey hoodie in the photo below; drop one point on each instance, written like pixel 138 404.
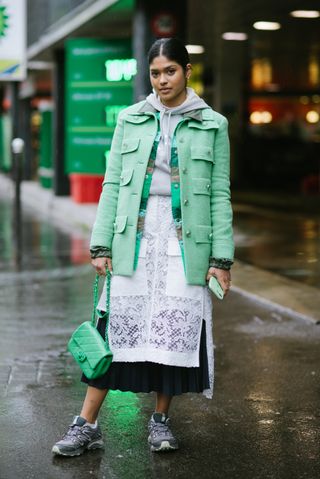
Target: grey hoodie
pixel 169 118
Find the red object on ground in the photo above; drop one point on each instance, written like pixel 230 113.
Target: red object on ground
pixel 85 188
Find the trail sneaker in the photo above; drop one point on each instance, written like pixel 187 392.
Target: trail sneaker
pixel 161 437
pixel 79 437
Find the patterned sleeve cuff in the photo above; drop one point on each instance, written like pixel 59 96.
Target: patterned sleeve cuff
pixel 100 252
pixel 220 263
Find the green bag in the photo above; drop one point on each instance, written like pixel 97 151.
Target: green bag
pixel 86 344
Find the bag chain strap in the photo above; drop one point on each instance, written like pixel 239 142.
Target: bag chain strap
pixel 95 301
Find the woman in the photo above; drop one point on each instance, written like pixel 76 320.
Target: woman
pixel 163 228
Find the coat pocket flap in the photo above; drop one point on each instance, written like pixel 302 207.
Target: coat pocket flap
pixel 129 145
pixel 136 119
pixel 201 186
pixel 126 176
pixel 174 247
pixel 202 153
pixel 203 234
pixel 120 224
pixel 205 125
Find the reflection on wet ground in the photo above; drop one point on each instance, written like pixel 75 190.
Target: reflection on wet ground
pixel 285 244
pixel 263 422
pixel 43 246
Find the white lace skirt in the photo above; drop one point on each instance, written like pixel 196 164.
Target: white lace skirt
pixel 154 314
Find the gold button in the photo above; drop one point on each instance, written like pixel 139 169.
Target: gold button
pixel 186 202
pixel 188 233
pixel 208 186
pixel 176 185
pixel 184 170
pixel 210 235
pixel 146 176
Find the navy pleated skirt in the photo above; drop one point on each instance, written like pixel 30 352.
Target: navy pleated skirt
pixel 147 376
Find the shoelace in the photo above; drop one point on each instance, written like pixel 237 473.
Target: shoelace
pixel 161 428
pixel 75 432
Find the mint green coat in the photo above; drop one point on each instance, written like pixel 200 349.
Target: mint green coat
pixel 203 152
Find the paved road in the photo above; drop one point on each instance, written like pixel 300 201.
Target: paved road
pixel 280 242
pixel 262 423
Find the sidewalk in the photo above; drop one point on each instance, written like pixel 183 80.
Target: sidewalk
pixel 263 286
pixel 263 421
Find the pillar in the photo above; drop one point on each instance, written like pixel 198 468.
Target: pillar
pixel 61 185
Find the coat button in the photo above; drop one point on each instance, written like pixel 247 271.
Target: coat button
pixel 176 185
pixel 210 235
pixel 121 177
pixel 188 233
pixel 181 140
pixel 186 202
pixel 184 170
pixel 146 176
pixel 208 186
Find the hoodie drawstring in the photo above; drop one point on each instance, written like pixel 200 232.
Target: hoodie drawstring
pixel 165 117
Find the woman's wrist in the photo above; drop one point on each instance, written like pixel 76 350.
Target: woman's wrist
pixel 100 252
pixel 220 263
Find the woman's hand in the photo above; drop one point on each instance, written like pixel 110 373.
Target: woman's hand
pixel 101 265
pixel 223 276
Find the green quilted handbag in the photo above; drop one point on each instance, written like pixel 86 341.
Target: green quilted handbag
pixel 86 344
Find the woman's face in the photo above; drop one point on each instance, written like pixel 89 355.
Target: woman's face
pixel 169 79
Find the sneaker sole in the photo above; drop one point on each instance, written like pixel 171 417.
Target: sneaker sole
pixel 93 445
pixel 164 446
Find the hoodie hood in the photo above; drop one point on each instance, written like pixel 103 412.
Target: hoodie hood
pixel 192 102
pixel 170 116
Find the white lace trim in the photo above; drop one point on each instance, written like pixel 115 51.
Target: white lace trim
pixel 155 315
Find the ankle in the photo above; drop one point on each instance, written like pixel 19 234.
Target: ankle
pixel 92 420
pixel 161 411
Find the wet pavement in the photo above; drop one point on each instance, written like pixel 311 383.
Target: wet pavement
pixel 285 243
pixel 263 422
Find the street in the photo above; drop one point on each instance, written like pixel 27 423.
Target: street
pixel 263 421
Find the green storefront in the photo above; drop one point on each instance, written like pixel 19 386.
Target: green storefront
pixel 99 84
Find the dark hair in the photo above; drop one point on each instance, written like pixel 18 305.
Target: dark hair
pixel 172 48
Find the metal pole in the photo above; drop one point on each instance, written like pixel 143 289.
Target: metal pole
pixel 17 154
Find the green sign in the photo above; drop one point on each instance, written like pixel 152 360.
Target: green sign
pixel 99 84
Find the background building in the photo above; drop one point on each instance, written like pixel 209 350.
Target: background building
pixel 265 78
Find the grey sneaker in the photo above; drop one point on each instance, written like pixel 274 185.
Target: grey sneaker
pixel 78 438
pixel 161 437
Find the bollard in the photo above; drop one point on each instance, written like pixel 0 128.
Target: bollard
pixel 17 146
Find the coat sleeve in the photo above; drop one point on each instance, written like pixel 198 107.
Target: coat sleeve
pixel 102 232
pixel 221 210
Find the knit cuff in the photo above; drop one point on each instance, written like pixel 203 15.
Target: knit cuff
pixel 220 263
pixel 100 252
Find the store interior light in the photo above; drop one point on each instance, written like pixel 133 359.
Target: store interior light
pixel 259 117
pixel 267 25
pixel 237 36
pixel 312 116
pixel 305 13
pixel 195 49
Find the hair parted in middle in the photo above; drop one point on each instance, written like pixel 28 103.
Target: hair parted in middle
pixel 172 48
